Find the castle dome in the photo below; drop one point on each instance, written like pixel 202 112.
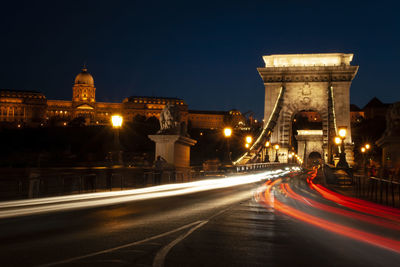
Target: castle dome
pixel 84 77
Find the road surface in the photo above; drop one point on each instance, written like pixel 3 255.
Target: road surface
pixel 268 221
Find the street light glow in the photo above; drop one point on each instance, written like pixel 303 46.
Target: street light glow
pixel 338 140
pixel 116 121
pixel 249 139
pixel 342 131
pixel 227 132
pixel 367 146
pixel 267 144
pixel 363 149
pixel 276 146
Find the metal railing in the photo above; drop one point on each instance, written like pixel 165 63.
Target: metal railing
pixel 261 166
pixel 380 190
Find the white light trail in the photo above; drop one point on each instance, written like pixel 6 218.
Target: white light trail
pixel 51 204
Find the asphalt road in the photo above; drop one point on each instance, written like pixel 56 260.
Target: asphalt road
pixel 231 226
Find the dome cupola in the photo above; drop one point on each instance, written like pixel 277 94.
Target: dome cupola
pixel 84 77
pixel 83 89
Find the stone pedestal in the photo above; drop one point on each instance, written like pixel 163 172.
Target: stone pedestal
pixel 175 149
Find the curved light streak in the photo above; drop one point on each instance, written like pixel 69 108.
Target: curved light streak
pixel 30 207
pixel 268 198
pixel 354 203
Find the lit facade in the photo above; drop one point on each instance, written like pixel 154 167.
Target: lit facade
pixel 33 109
pixel 203 119
pixel 22 107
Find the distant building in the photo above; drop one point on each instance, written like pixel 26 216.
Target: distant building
pixel 203 119
pixel 22 107
pixel 32 108
pixel 356 114
pixel 375 108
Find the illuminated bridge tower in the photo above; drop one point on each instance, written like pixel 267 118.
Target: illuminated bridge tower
pixel 305 82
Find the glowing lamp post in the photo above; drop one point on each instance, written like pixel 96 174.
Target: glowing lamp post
pixel 248 140
pixel 228 134
pixel 276 152
pixel 342 131
pixel 291 156
pixel 116 121
pixel 267 146
pixel 364 151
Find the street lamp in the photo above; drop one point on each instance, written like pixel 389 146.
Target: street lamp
pixel 338 141
pixel 363 150
pixel 267 146
pixel 249 139
pixel 292 156
pixel 228 134
pixel 276 152
pixel 342 158
pixel 116 122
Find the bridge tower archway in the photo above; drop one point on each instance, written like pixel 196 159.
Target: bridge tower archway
pixel 319 82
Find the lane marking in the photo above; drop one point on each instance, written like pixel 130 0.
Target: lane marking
pixel 196 224
pixel 161 254
pixel 121 247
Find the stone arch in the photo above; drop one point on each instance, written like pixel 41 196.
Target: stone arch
pixel 314 158
pixel 289 112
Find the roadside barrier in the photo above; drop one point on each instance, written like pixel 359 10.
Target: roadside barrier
pixel 380 190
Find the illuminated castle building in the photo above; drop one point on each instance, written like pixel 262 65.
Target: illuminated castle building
pixel 33 109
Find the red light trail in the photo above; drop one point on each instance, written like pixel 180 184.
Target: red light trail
pixel 267 197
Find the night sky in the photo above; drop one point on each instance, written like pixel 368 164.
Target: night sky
pixel 205 52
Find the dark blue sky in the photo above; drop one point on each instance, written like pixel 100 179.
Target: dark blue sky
pixel 205 52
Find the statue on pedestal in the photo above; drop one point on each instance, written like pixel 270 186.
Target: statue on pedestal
pixel 172 141
pixel 170 121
